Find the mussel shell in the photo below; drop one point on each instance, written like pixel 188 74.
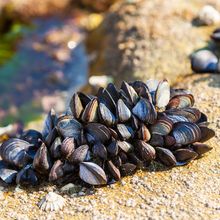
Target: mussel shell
pixel 145 111
pixel 181 101
pixel 55 149
pixel 130 92
pixel 136 160
pixel 166 156
pixel 106 115
pixel 142 90
pixel 201 148
pixel 33 137
pixel 206 133
pixel 51 137
pixel 49 123
pixel 127 169
pixel 125 132
pixel 113 170
pixel 156 140
pixel 56 171
pixel 26 176
pixel 67 147
pixel 99 150
pixel 163 126
pixel 169 141
pixel 146 151
pixel 105 97
pixel 185 155
pixel 123 112
pixel 92 174
pixel 125 146
pixel 143 133
pixel 90 113
pixel 79 154
pixel 97 132
pixel 186 133
pixel 162 94
pixel 204 61
pixel 76 106
pixel 42 161
pixel 14 152
pixel 113 148
pixel 69 127
pixel 8 175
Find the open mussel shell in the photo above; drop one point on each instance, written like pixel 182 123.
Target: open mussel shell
pixel 69 127
pixel 206 133
pixel 79 154
pixel 181 101
pixel 163 126
pixel 26 176
pixel 146 151
pixel 92 174
pixel 97 132
pixel 115 172
pixel 42 161
pixel 106 115
pixel 49 123
pixel 130 93
pixel 76 106
pixel 166 156
pixel 123 112
pixel 145 111
pixel 90 113
pixel 162 94
pixel 201 148
pixel 185 155
pixel 99 150
pixel 14 152
pixel 186 133
pixel 204 61
pixel 143 133
pixel 67 147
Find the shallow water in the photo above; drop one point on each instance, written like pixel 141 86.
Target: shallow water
pixel 48 59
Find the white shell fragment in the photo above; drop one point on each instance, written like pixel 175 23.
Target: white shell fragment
pixel 162 94
pixel 52 202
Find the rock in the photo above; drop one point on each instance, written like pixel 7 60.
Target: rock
pixel 71 188
pixel 208 15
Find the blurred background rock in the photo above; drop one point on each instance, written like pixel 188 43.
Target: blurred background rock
pixel 52 48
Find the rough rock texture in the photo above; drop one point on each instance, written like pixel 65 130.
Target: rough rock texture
pixel 152 39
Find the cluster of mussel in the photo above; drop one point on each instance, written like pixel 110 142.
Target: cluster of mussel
pixel 205 60
pixel 101 138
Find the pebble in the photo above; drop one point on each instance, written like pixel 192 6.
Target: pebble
pixel 208 15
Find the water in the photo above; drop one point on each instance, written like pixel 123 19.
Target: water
pixel 49 59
